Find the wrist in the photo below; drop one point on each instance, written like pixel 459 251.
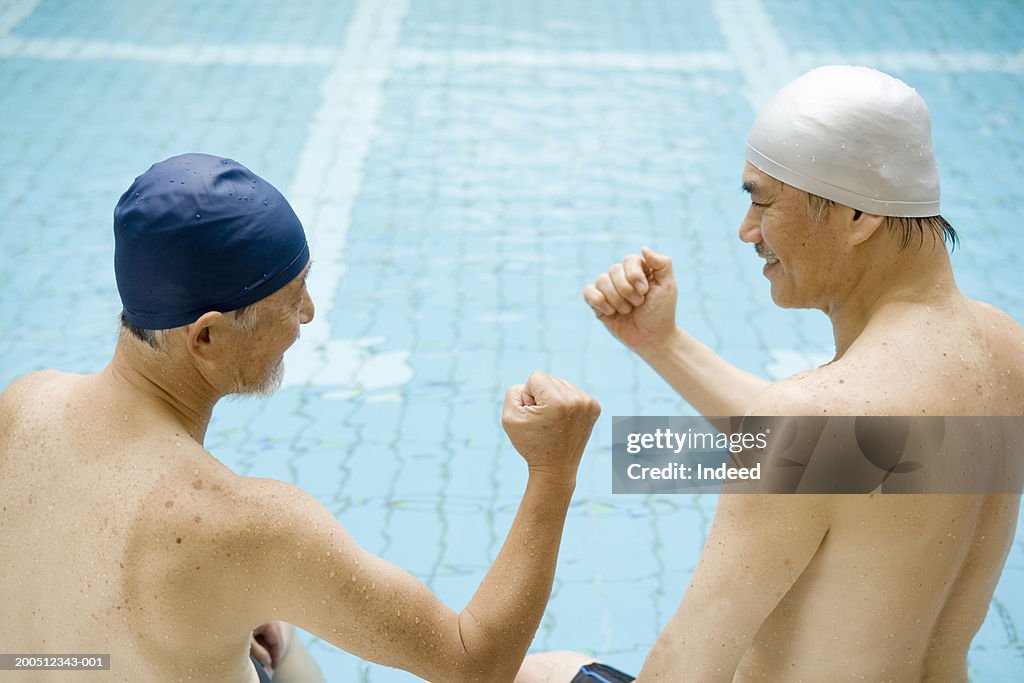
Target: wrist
pixel 554 480
pixel 657 347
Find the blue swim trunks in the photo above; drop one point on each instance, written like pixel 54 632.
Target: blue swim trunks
pixel 260 671
pixel 601 673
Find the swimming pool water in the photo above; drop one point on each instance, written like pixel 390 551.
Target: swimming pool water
pixel 463 169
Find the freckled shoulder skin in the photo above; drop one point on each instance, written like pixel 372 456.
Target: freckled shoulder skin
pixel 885 587
pixel 88 499
pixel 846 587
pixel 154 552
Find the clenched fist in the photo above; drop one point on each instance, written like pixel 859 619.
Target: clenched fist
pixel 549 420
pixel 636 299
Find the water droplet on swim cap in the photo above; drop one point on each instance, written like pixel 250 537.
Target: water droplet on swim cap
pixel 856 126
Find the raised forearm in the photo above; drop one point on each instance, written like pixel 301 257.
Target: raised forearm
pixel 500 621
pixel 707 381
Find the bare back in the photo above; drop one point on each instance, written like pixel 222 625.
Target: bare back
pixel 900 584
pixel 82 475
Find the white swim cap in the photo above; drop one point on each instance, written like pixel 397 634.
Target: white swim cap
pixel 853 135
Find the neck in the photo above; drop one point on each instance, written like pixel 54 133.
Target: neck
pixel 171 385
pixel 922 277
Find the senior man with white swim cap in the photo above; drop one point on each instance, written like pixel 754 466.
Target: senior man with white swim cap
pixel 844 209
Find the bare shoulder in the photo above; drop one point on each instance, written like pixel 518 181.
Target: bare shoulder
pixel 28 386
pixel 34 381
pixel 26 396
pixel 206 505
pixel 998 316
pixel 267 511
pixel 217 539
pixel 823 391
pixel 1005 331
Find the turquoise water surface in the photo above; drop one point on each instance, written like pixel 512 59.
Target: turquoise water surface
pixel 463 169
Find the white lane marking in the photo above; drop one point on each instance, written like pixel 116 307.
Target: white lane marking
pixel 327 182
pixel 757 48
pixel 258 54
pixel 748 60
pixel 948 61
pixel 569 59
pixel 12 14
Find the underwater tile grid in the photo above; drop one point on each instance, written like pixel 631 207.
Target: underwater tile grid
pixel 463 169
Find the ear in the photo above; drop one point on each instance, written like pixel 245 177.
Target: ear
pixel 863 226
pixel 200 334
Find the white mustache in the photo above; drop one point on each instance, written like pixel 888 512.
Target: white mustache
pixel 764 252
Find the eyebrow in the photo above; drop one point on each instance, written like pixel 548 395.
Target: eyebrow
pixel 309 268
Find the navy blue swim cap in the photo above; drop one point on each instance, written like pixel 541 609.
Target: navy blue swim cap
pixel 198 233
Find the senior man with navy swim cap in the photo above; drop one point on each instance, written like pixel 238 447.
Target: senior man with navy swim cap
pixel 844 211
pixel 123 535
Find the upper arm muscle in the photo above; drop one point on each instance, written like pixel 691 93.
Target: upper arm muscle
pixel 758 546
pixel 310 572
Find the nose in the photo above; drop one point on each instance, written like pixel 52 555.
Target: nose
pixel 750 227
pixel 308 309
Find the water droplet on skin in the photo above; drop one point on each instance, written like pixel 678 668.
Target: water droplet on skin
pixel 353 578
pixel 330 574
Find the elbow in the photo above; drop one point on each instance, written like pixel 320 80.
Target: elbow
pixel 477 670
pixel 484 658
pixel 494 664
